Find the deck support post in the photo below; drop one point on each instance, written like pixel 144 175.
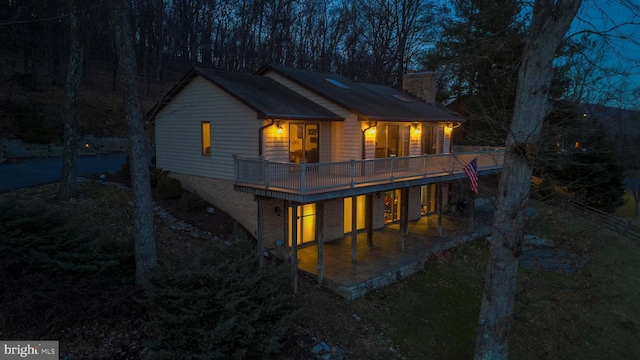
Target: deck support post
pixel 285 240
pixel 260 240
pixel 320 240
pixel 294 247
pixel 439 207
pixel 472 210
pixel 404 216
pixel 369 218
pixel 354 232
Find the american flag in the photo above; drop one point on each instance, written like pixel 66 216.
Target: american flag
pixel 472 172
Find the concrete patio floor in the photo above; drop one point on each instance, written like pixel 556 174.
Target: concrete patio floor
pixel 384 261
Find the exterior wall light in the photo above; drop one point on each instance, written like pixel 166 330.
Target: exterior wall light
pixel 415 128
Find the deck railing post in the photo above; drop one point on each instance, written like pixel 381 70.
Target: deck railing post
pixel 393 159
pixel 236 168
pixel 451 166
pixel 265 169
pixel 353 173
pixel 303 178
pixel 424 164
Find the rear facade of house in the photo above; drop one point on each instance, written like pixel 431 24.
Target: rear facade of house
pixel 299 157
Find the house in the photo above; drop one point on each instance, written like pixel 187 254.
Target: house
pixel 301 157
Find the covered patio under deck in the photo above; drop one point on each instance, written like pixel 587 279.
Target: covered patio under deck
pixel 384 261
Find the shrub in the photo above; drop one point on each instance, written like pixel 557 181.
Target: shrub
pixel 192 202
pixel 155 175
pixel 169 188
pixel 226 307
pixel 34 238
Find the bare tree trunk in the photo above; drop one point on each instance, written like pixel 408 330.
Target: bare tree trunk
pixel 550 22
pixel 69 182
pixel 145 248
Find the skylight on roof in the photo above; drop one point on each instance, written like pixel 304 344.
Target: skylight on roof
pixel 337 83
pixel 401 98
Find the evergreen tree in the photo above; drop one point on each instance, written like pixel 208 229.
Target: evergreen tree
pixel 478 58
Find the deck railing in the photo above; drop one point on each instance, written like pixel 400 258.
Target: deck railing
pixel 317 177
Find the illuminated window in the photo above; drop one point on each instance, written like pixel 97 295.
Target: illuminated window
pixel 206 137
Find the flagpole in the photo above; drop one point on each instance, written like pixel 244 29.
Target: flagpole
pixel 471 169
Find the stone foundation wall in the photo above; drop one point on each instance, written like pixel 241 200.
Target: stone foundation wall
pixel 361 289
pixel 220 194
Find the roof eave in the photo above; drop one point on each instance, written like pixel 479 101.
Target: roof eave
pixel 300 117
pixel 383 118
pixel 166 98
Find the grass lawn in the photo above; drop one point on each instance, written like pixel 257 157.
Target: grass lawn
pixel 628 210
pixel 592 314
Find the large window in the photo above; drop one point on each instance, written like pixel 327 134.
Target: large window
pixel 303 143
pixel 205 128
pixel 392 140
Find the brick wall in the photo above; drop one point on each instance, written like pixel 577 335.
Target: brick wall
pixel 421 85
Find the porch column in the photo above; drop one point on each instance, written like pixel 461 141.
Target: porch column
pixel 404 216
pixel 285 222
pixel 368 220
pixel 320 239
pixel 294 247
pixel 354 233
pixel 260 240
pixel 439 207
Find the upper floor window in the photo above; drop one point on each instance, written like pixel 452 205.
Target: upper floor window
pixel 205 130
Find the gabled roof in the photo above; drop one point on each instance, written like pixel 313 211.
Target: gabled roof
pixel 268 98
pixel 371 102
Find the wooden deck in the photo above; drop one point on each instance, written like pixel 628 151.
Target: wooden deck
pixel 281 180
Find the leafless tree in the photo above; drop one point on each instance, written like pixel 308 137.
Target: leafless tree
pixel 145 245
pixel 549 23
pixel 69 183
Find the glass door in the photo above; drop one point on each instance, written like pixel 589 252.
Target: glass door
pixel 392 140
pixel 428 198
pixel 429 139
pixel 306 224
pixel 303 143
pixel 392 206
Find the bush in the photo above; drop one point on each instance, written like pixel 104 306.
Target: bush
pixel 155 175
pixel 169 188
pixel 192 202
pixel 38 239
pixel 227 307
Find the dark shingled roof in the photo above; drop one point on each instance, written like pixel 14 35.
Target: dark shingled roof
pixel 371 102
pixel 267 97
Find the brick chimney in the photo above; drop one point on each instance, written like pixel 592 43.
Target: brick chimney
pixel 421 85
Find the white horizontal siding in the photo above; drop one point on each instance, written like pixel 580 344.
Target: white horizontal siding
pixel 277 144
pixel 347 140
pixel 234 130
